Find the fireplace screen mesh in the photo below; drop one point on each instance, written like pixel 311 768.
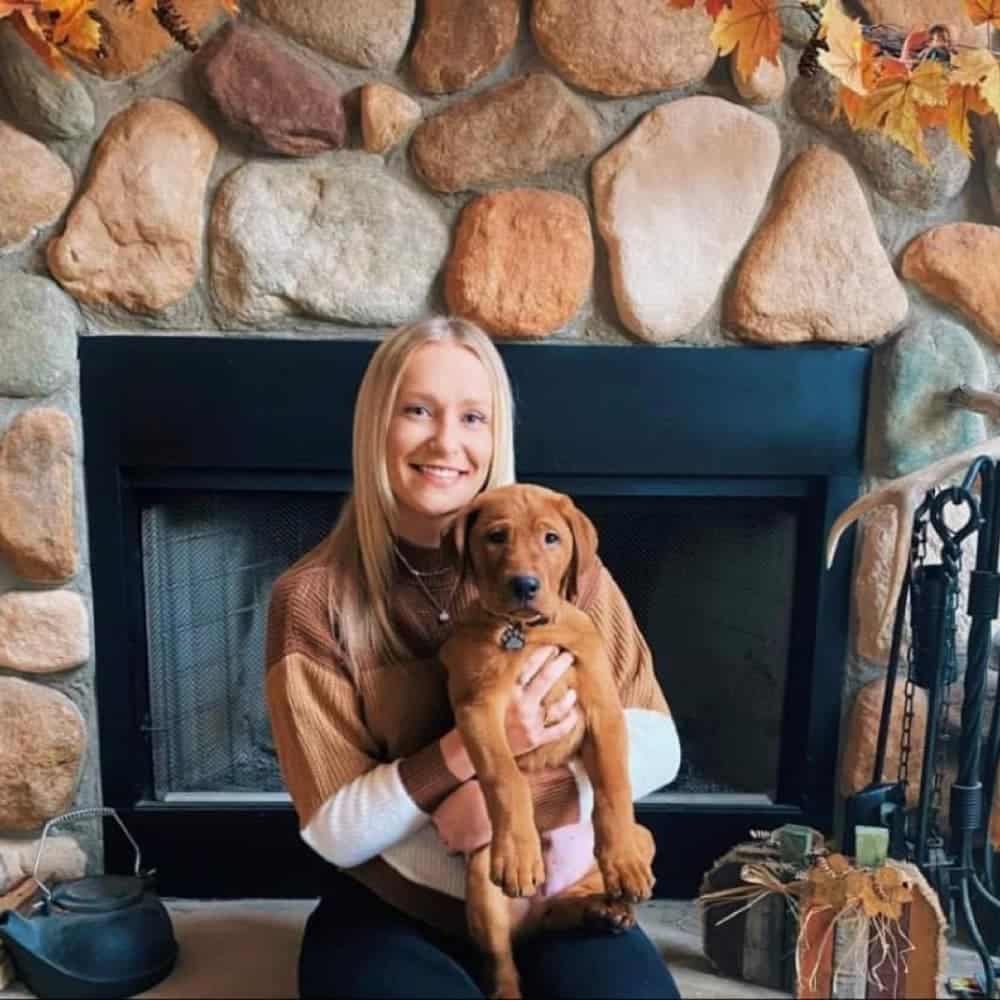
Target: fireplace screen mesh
pixel 209 562
pixel 710 582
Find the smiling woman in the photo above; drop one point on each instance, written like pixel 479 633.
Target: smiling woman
pixel 382 781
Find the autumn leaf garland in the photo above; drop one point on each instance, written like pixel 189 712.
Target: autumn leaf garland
pixel 896 81
pixel 54 28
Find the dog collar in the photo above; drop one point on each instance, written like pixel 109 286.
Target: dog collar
pixel 512 637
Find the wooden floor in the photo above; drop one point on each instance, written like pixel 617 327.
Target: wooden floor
pixel 248 948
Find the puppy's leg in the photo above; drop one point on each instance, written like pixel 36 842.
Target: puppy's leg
pixel 621 854
pixel 515 850
pixel 489 926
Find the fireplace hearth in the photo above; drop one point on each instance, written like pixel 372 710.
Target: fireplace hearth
pixel 712 475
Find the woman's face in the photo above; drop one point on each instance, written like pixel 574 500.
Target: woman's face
pixel 440 442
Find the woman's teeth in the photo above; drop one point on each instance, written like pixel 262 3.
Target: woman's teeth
pixel 435 472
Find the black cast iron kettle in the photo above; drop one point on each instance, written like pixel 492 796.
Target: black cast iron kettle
pixel 102 936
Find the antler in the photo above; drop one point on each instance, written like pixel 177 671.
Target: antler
pixel 906 492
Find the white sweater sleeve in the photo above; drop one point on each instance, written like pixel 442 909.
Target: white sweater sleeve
pixel 364 818
pixel 375 812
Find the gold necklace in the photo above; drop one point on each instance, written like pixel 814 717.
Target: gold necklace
pixel 443 616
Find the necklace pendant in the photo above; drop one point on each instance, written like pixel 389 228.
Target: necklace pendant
pixel 444 617
pixel 512 638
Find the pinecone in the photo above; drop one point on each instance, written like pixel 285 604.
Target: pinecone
pixel 809 60
pixel 175 24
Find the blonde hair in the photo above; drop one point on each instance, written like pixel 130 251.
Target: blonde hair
pixel 359 549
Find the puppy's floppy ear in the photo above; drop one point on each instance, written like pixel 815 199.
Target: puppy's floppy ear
pixel 584 548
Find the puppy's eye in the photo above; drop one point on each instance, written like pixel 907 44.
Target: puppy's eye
pixel 497 536
pixel 551 538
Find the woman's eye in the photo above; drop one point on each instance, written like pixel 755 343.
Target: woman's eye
pixel 475 418
pixel 551 538
pixel 416 409
pixel 497 536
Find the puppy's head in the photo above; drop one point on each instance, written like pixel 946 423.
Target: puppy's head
pixel 527 548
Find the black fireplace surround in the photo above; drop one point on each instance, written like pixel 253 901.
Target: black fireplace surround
pixel 216 414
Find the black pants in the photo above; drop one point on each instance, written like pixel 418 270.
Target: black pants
pixel 355 945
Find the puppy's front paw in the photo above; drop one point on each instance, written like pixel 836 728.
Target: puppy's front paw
pixel 614 915
pixel 627 873
pixel 516 861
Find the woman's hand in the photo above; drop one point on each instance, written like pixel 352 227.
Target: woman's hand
pixel 528 723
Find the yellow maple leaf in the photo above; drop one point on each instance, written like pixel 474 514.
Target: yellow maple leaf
pixel 983 12
pixel 753 28
pixel 979 68
pixel 851 104
pixel 895 105
pixel 963 99
pixel 74 29
pixel 845 55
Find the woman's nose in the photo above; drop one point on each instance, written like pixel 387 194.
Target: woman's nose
pixel 447 435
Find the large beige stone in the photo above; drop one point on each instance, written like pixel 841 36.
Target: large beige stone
pixel 522 262
pixel 924 13
pixel 337 238
pixel 957 263
pixel 372 34
pixel 136 41
pixel 134 236
pixel 37 534
pixel 803 279
pixel 857 765
pixel 461 41
pixel 42 742
pixel 624 47
pixel 35 187
pixel 42 631
pixel 675 201
pixel 387 115
pixel 61 859
pixel 520 129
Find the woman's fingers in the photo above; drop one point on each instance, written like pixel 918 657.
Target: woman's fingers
pixel 539 685
pixel 560 708
pixel 534 662
pixel 561 728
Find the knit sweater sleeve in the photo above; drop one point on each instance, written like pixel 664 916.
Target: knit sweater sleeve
pixel 654 747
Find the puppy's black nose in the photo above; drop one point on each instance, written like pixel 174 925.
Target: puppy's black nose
pixel 524 588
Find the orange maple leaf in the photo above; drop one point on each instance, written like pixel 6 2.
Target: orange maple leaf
pixel 983 12
pixel 6 9
pixel 751 26
pixel 962 99
pixel 73 28
pixel 33 35
pixel 712 7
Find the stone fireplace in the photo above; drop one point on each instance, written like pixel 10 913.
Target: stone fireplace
pixel 193 269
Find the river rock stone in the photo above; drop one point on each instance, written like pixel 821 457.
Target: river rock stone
pixel 42 631
pixel 35 187
pixel 675 201
pixel 522 262
pixel 624 47
pixel 765 85
pixel 371 34
pixel 42 742
pixel 135 40
pixel 272 95
pixel 461 41
pixel 37 535
pixel 37 335
pixel 522 128
pixel 62 859
pixel 803 279
pixel 50 105
pixel 956 263
pixel 336 238
pixel 918 370
pixel 891 169
pixel 133 238
pixel 387 115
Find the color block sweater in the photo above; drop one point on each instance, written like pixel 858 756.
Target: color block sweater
pixel 359 751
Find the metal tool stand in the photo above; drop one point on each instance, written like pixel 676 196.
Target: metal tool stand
pixel 956 869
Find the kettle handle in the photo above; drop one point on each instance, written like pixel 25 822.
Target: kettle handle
pixel 76 814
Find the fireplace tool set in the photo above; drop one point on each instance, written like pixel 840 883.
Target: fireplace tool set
pixel 960 865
